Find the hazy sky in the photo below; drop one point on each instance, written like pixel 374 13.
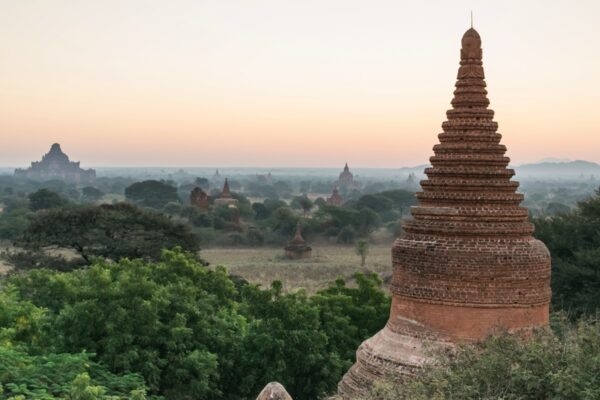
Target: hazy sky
pixel 288 82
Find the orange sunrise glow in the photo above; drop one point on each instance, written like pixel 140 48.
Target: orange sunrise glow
pixel 288 83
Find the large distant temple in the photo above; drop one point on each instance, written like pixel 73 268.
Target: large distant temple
pixel 56 165
pixel 466 265
pixel 346 179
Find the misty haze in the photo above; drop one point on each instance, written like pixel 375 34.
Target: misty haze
pixel 283 200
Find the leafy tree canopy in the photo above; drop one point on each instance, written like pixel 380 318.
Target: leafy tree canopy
pixel 549 365
pixel 44 199
pixel 151 193
pixel 189 331
pixel 573 239
pixel 109 231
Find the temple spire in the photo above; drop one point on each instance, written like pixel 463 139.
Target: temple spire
pixel 298 239
pixel 466 264
pixel 226 192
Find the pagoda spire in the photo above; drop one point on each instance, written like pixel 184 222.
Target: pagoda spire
pixel 226 192
pixel 298 239
pixel 466 265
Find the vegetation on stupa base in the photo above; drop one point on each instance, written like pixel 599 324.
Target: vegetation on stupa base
pixel 561 362
pixel 188 331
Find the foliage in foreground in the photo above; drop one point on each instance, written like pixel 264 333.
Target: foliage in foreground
pixel 189 331
pixel 573 239
pixel 27 372
pixel 108 231
pixel 562 363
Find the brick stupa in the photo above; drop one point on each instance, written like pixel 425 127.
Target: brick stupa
pixel 226 199
pixel 297 247
pixel 466 265
pixel 346 178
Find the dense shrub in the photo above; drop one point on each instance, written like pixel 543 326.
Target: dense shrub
pixel 573 239
pixel 189 331
pixel 151 193
pixel 28 370
pixel 109 231
pixel 558 364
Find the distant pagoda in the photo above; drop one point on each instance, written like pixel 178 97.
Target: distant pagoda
pixel 346 179
pixel 226 199
pixel 297 247
pixel 466 265
pixel 335 199
pixel 56 165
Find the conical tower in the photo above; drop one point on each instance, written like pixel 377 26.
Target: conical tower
pixel 297 247
pixel 466 265
pixel 298 239
pixel 226 193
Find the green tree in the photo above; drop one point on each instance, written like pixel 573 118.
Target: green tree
pixel 402 199
pixel 573 239
pixel 90 193
pixel 202 182
pixel 170 321
pixel 362 249
pixel 151 193
pixel 14 219
pixel 549 365
pixel 285 337
pixel 350 314
pixel 306 204
pixel 284 221
pixel 44 199
pixel 346 235
pixel 376 202
pixel 303 203
pixel 368 220
pixel 189 331
pixel 109 231
pixel 27 370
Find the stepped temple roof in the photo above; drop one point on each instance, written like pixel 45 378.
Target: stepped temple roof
pixel 466 265
pixel 56 165
pixel 346 178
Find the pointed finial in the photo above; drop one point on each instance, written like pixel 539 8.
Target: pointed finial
pixel 471 18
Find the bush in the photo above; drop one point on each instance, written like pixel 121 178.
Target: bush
pixel 151 193
pixel 255 237
pixel 109 231
pixel 346 235
pixel 189 331
pixel 574 244
pixel 558 364
pixel 44 199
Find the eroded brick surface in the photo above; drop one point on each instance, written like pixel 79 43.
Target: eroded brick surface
pixel 466 265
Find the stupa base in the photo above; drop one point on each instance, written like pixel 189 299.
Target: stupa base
pixel 387 355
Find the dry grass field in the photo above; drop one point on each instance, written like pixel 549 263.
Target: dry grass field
pixel 4 266
pixel 264 265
